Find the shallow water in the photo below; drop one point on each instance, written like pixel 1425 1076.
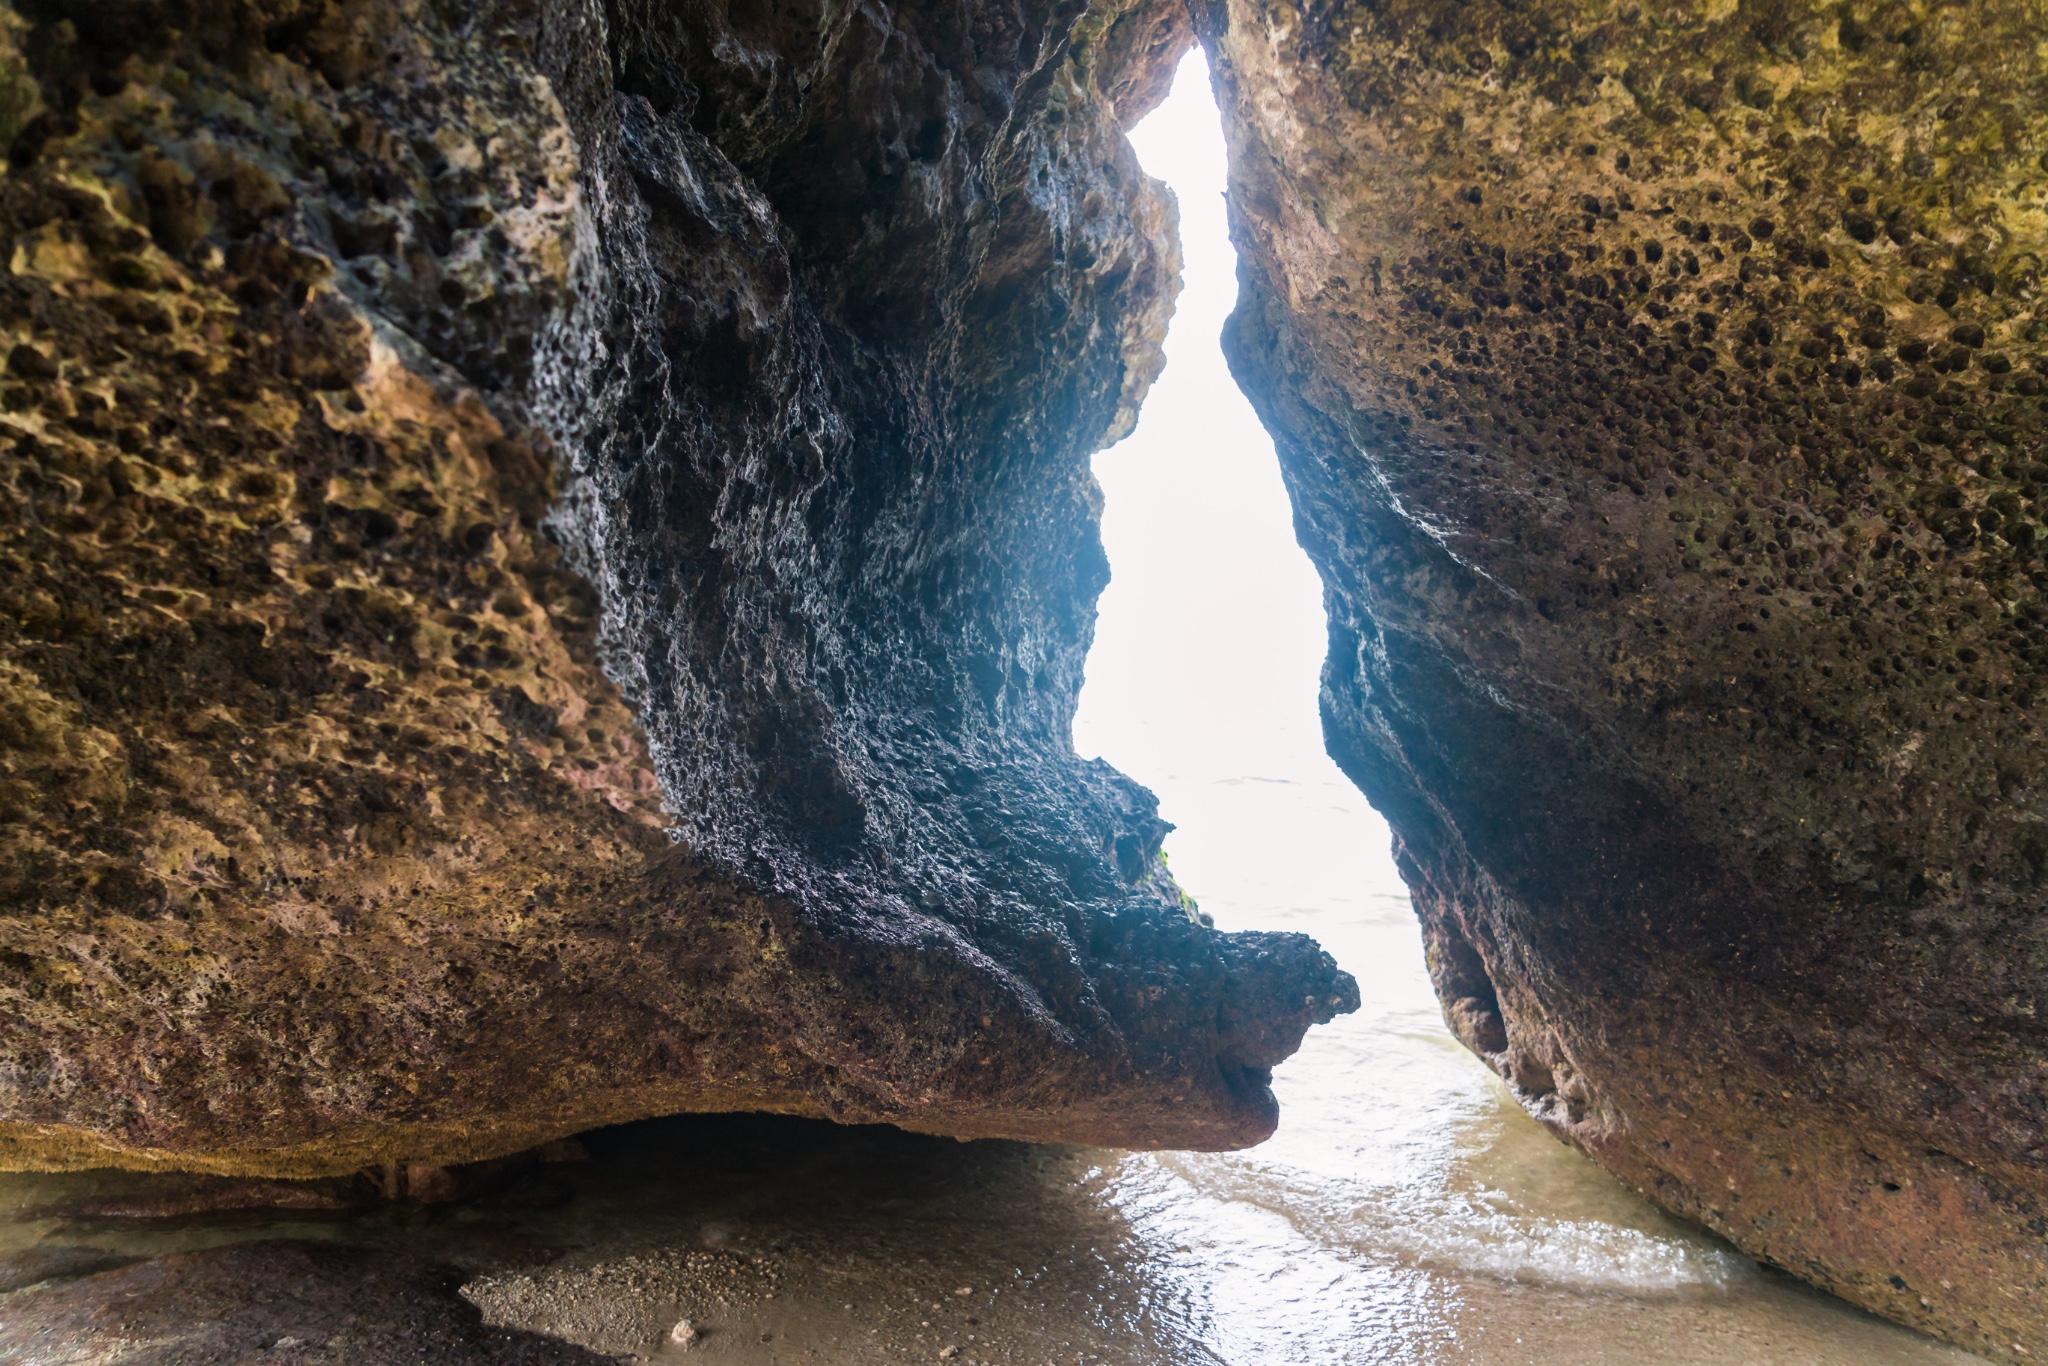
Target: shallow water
pixel 1406 1211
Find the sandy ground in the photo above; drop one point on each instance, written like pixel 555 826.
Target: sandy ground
pixel 786 1241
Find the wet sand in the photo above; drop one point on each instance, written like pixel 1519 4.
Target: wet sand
pixel 787 1241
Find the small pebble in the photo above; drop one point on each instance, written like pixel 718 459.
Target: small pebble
pixel 683 1334
pixel 965 1290
pixel 948 1353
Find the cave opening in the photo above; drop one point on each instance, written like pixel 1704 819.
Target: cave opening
pixel 547 574
pixel 1202 679
pixel 1405 1183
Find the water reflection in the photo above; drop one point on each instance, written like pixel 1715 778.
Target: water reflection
pixel 786 1240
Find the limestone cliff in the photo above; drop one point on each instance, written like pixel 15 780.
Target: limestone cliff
pixel 547 557
pixel 1660 388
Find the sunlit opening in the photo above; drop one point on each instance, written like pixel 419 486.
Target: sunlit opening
pixel 1202 682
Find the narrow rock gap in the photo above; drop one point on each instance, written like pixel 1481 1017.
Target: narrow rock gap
pixel 1202 679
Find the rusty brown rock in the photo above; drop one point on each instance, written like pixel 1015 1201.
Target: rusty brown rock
pixel 1660 389
pixel 547 556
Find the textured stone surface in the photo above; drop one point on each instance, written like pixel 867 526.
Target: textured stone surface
pixel 547 556
pixel 1659 388
pixel 281 1303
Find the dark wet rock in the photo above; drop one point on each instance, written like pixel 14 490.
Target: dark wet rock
pixel 283 1303
pixel 35 1265
pixel 118 1195
pixel 547 556
pixel 179 1195
pixel 1660 388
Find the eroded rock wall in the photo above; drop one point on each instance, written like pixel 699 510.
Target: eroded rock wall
pixel 547 559
pixel 1660 390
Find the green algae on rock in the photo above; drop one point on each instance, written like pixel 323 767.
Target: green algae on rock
pixel 1660 390
pixel 548 555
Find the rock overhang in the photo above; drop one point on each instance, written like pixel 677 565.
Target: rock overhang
pixel 550 565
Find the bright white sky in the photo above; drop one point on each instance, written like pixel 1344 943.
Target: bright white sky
pixel 1202 682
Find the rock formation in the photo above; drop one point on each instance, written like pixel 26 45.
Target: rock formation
pixel 547 557
pixel 1659 385
pixel 280 1303
pixel 549 549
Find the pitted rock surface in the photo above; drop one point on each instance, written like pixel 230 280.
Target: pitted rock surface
pixel 1660 390
pixel 547 560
